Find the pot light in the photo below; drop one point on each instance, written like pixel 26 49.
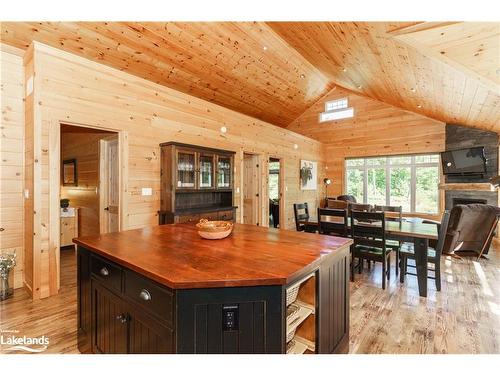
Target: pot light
pixel 302 76
pixel 344 69
pixel 295 146
pixel 413 89
pixel 360 87
pixel 419 106
pixel 223 129
pixel 264 48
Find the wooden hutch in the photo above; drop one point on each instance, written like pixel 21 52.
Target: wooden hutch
pixel 196 183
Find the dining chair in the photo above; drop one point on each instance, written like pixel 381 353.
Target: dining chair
pixel 301 212
pixel 393 213
pixel 369 241
pixel 332 220
pixel 407 251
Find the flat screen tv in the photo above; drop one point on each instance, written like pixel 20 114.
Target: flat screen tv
pixel 467 161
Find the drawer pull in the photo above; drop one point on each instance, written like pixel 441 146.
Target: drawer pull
pixel 145 295
pixel 104 271
pixel 122 318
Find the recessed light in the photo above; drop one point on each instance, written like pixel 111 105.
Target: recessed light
pixel 302 76
pixel 419 106
pixel 295 146
pixel 223 129
pixel 264 48
pixel 413 89
pixel 344 69
pixel 360 87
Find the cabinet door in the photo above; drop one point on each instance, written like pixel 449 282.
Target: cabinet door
pixel 186 169
pixel 224 168
pixel 110 321
pixel 147 336
pixel 206 163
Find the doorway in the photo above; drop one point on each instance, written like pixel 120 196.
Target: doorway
pixel 274 192
pixel 88 157
pixel 251 189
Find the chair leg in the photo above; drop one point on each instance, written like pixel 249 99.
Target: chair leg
pixel 437 274
pixel 361 263
pixel 389 266
pixel 383 274
pixel 401 270
pixel 397 262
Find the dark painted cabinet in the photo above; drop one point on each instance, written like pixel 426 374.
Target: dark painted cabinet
pixel 121 311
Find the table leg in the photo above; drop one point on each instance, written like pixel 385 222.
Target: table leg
pixel 421 246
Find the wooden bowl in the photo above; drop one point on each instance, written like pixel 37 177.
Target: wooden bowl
pixel 214 230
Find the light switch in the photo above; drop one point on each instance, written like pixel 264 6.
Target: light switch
pixel 26 193
pixel 237 190
pixel 147 191
pixel 286 188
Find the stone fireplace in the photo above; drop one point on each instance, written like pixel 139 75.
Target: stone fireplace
pixel 454 197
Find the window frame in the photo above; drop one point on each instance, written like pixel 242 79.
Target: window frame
pixel 387 166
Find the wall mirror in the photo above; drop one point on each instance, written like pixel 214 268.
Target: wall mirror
pixel 69 175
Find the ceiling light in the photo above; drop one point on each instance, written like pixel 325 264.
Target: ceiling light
pixel 344 70
pixel 302 75
pixel 360 87
pixel 295 146
pixel 223 129
pixel 419 106
pixel 413 89
pixel 264 48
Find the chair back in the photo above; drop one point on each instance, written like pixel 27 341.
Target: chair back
pixel 360 207
pixel 347 198
pixel 301 212
pixel 333 220
pixel 392 213
pixel 368 229
pixel 442 228
pixel 333 203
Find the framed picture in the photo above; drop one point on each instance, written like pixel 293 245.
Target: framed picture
pixel 69 175
pixel 308 175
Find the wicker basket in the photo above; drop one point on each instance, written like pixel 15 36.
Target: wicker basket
pixel 291 294
pixel 290 334
pixel 291 311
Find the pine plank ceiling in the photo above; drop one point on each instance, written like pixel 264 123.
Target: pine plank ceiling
pixel 275 71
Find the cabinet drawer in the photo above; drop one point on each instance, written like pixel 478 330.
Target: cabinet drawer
pixel 108 273
pixel 188 219
pixel 149 295
pixel 209 216
pixel 226 215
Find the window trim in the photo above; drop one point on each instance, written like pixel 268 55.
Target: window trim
pixel 387 166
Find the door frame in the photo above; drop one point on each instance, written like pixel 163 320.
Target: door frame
pixel 54 180
pixel 281 187
pixel 262 185
pixel 102 177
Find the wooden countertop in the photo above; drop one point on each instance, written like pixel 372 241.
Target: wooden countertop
pixel 174 255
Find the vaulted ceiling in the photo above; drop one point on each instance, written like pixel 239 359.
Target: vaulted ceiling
pixel 275 71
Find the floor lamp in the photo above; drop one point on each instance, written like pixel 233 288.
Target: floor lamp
pixel 327 182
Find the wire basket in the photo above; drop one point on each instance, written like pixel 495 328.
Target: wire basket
pixel 291 311
pixel 290 334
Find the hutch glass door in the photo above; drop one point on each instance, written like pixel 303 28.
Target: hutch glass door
pixel 224 172
pixel 186 166
pixel 206 165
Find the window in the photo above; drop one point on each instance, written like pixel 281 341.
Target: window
pixel 333 105
pixel 410 181
pixel 336 110
pixel 274 177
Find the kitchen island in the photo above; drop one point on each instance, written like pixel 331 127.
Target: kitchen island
pixel 164 289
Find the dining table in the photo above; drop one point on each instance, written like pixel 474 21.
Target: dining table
pixel 412 230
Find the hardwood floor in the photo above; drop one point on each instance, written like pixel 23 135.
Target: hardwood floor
pixel 463 318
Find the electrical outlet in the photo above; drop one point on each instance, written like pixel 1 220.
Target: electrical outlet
pixel 147 191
